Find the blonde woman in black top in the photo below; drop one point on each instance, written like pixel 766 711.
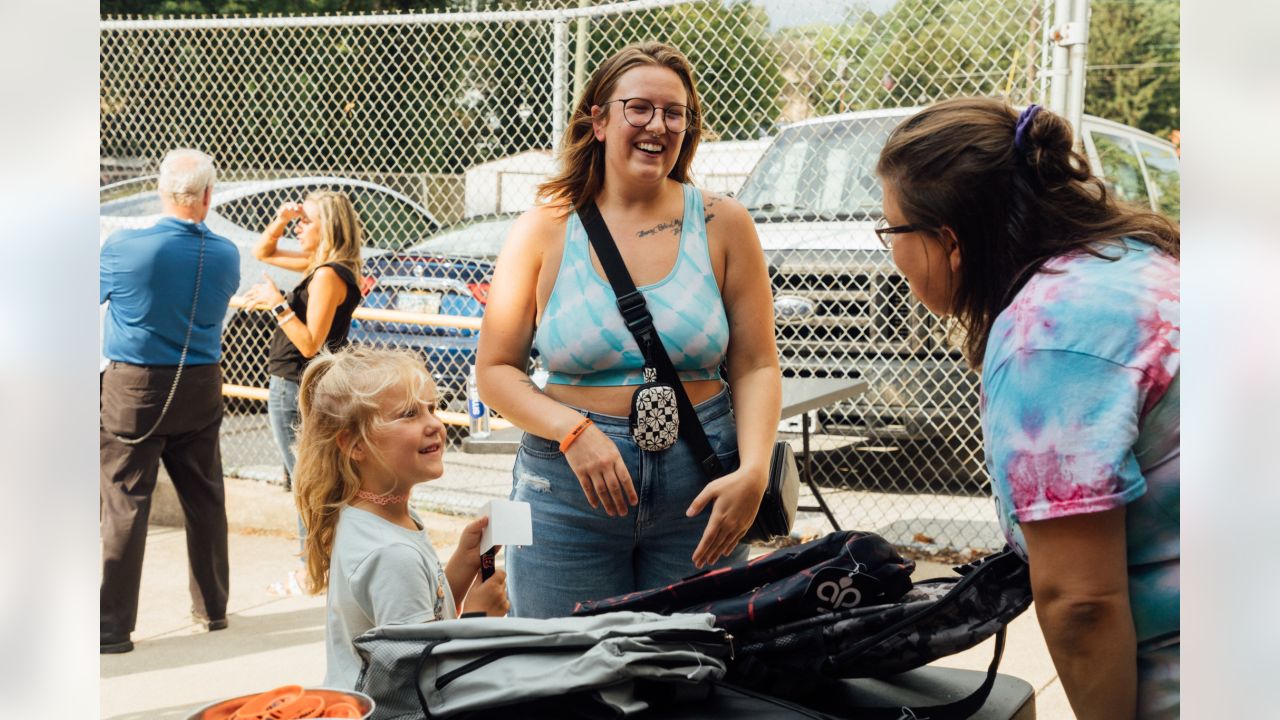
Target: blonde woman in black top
pixel 315 314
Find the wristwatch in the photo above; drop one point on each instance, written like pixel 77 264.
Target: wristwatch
pixel 280 309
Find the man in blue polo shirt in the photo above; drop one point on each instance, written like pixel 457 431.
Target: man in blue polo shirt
pixel 161 394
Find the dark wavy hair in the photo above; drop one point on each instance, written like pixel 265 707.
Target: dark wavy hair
pixel 954 164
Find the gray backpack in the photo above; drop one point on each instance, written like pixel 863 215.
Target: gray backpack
pixel 467 666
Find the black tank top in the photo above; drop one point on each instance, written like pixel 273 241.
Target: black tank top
pixel 283 357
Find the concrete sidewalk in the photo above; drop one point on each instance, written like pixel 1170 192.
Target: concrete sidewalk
pixel 176 666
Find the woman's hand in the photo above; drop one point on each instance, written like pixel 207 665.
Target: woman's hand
pixel 601 472
pixel 289 211
pixel 735 499
pixel 488 596
pixel 265 294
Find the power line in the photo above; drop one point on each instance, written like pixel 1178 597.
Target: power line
pixel 1133 66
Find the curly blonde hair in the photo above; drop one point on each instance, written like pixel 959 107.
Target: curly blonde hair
pixel 343 400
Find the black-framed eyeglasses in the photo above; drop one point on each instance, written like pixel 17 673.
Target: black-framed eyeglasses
pixel 885 231
pixel 638 112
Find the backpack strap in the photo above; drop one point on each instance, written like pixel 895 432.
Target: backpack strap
pixel 965 707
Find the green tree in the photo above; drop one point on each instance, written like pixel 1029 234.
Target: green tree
pixel 735 60
pixel 1133 74
pixel 914 53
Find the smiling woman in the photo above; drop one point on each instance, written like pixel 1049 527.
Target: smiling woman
pixel 611 517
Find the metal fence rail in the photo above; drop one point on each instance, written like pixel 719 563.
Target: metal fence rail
pixel 433 119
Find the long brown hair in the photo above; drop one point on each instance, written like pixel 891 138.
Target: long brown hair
pixel 341 400
pixel 581 174
pixel 341 234
pixel 954 164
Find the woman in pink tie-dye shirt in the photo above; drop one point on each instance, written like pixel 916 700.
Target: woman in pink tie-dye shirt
pixel 1069 305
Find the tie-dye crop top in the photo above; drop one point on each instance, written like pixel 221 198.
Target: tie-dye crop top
pixel 582 339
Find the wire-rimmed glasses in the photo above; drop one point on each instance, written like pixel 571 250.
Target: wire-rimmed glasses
pixel 638 112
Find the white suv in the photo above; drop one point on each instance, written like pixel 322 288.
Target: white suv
pixel 844 311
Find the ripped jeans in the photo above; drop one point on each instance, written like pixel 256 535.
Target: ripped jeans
pixel 583 554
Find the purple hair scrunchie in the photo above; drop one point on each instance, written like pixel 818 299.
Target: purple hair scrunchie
pixel 1024 123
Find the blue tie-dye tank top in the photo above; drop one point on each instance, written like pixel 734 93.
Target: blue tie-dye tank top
pixel 582 339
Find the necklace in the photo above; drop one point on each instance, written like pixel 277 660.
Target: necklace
pixel 381 499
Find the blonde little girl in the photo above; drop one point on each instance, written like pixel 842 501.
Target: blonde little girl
pixel 369 434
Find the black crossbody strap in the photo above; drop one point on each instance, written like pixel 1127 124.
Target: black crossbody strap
pixel 636 315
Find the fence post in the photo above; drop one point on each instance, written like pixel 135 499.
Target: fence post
pixel 1078 52
pixel 1059 76
pixel 580 56
pixel 559 70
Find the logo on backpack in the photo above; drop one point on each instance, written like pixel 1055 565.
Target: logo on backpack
pixel 838 594
pixel 838 588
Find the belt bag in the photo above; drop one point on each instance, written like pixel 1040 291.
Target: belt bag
pixel 649 412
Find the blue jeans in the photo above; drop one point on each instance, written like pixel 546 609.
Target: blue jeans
pixel 582 554
pixel 282 412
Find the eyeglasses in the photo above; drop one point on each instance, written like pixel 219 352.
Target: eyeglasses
pixel 885 231
pixel 638 112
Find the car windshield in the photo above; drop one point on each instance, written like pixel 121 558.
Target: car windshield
pixel 820 172
pixel 480 237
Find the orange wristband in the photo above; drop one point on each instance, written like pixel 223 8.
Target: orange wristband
pixel 574 433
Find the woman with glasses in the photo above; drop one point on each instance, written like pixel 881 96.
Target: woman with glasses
pixel 609 517
pixel 1068 301
pixel 316 313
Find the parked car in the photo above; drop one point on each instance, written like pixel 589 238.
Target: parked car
pixel 843 310
pixel 239 211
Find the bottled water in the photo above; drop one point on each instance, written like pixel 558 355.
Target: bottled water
pixel 477 413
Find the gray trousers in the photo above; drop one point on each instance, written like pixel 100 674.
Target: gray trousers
pixel 187 443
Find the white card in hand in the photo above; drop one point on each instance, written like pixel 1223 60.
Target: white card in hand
pixel 510 523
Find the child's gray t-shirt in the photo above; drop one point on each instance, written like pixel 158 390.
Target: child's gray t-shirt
pixel 380 573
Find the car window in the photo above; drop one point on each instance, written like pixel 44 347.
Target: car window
pixel 389 222
pixel 1120 167
pixel 820 172
pixel 255 211
pixel 479 238
pixel 145 203
pixel 1166 179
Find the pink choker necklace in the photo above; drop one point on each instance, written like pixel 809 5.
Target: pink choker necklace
pixel 381 499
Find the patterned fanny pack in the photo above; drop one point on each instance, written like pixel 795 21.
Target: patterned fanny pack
pixel 655 414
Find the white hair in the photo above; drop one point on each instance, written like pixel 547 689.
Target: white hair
pixel 185 174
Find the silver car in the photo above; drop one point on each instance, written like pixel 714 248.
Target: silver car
pixel 239 211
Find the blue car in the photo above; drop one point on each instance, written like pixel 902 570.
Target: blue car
pixel 447 274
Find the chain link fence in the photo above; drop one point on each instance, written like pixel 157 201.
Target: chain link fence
pixel 440 126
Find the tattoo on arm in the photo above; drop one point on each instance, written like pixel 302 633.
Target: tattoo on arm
pixel 712 202
pixel 532 385
pixel 673 225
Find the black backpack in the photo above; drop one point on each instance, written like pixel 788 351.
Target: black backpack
pixel 891 632
pixel 840 571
